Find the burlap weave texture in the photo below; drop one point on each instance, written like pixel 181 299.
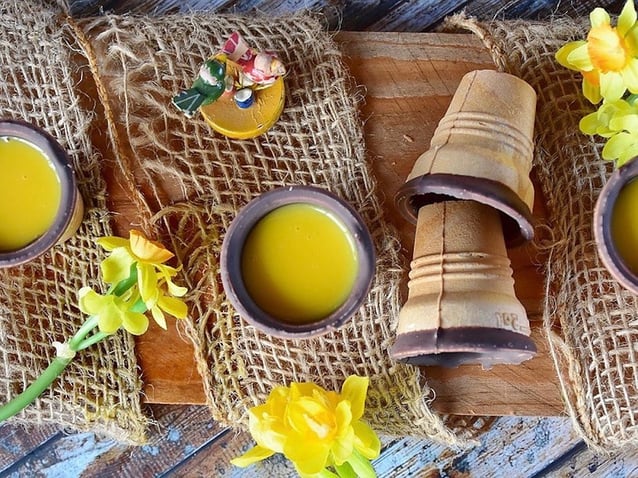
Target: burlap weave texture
pixel 101 389
pixel 186 184
pixel 190 183
pixel 594 350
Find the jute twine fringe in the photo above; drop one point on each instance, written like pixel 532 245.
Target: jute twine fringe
pixel 187 184
pixel 100 390
pixel 195 181
pixel 594 350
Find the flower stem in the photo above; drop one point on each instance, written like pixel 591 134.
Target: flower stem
pixel 79 341
pixel 34 390
pixel 82 332
pixel 55 368
pixel 93 339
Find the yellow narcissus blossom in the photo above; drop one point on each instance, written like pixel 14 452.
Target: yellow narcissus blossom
pixel 112 312
pixel 149 258
pixel 607 59
pixel 315 429
pixel 618 121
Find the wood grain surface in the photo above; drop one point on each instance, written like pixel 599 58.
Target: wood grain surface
pixel 185 442
pixel 408 80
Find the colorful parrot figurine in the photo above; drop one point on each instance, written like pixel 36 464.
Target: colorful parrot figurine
pixel 258 69
pixel 207 87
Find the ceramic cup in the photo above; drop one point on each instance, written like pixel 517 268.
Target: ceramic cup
pixel 70 210
pixel 603 215
pixel 233 248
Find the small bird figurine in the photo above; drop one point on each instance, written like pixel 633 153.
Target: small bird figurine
pixel 207 87
pixel 258 69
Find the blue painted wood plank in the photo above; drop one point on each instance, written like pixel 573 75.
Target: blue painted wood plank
pixel 511 447
pixel 18 441
pixel 179 432
pixel 68 456
pixel 587 464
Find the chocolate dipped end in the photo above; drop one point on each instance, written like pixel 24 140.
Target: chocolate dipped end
pixel 461 305
pixel 481 150
pixel 463 345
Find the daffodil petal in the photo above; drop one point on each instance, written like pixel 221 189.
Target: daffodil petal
pixel 134 322
pixel 616 145
pixel 343 446
pixel 355 389
pixel 176 290
pixel 589 124
pixel 255 454
pixel 563 52
pixel 591 92
pixel 109 317
pixel 631 39
pixel 158 317
pixel 627 155
pixel 579 58
pixel 599 17
pixel 343 415
pixel 267 429
pixel 309 457
pixel 612 86
pixel 147 250
pixel 366 440
pixel 627 18
pixel 117 266
pixel 147 283
pixel 630 75
pixel 110 243
pixel 89 301
pixel 175 307
pixel 624 122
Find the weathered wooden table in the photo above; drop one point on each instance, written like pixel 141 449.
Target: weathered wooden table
pixel 409 80
pixel 424 71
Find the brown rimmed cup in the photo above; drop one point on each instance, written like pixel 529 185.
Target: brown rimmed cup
pixel 238 232
pixel 603 214
pixel 71 208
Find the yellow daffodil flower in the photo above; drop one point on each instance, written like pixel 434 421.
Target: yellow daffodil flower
pixel 149 258
pixel 618 121
pixel 603 121
pixel 112 312
pixel 621 147
pixel 607 59
pixel 171 305
pixel 315 429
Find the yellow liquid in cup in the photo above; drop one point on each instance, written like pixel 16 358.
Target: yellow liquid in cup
pixel 30 194
pixel 299 263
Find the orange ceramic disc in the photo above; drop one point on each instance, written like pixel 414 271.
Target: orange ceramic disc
pixel 225 117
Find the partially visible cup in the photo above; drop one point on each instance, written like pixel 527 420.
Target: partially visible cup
pixel 616 225
pixel 297 262
pixel 40 204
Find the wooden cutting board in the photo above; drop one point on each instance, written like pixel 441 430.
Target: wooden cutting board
pixel 408 80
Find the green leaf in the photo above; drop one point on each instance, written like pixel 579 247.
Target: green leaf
pixel 361 466
pixel 345 471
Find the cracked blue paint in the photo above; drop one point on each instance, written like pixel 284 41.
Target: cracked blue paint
pixel 173 434
pixel 151 450
pixel 74 455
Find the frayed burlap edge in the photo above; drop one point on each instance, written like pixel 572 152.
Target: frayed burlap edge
pixel 593 351
pixel 101 389
pixel 240 365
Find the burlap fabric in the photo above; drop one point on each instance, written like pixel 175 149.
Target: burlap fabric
pixel 186 184
pixel 100 390
pixel 190 182
pixel 594 350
